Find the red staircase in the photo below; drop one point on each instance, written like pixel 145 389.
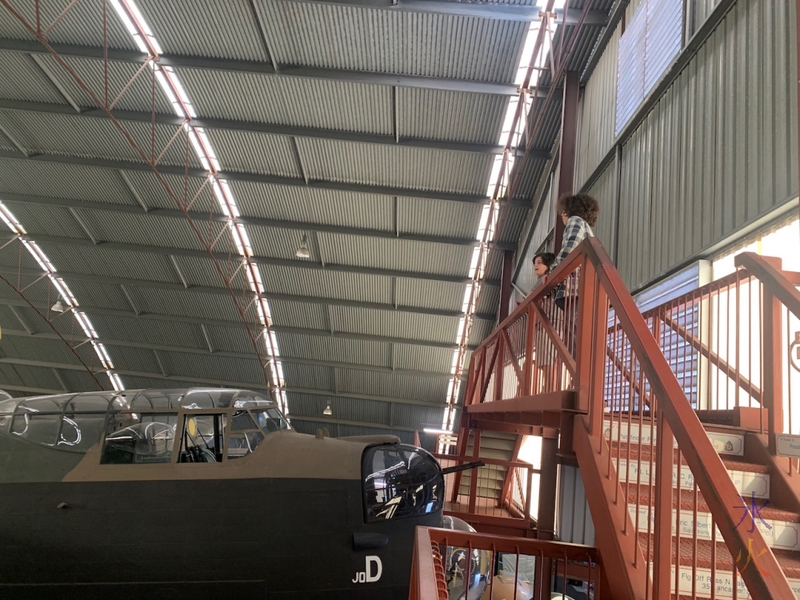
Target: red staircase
pixel 676 419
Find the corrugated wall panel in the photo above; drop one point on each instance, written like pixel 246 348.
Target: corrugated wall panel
pixel 574 519
pixel 604 191
pixel 596 132
pixel 718 150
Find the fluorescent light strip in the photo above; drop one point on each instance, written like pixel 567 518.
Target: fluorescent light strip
pixel 479 259
pixel 64 292
pixel 134 22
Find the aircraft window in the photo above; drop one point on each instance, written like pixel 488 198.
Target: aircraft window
pixel 7 413
pixel 202 438
pixel 33 427
pixel 213 398
pixel 242 444
pixel 400 481
pixel 141 443
pixel 158 399
pixel 270 419
pixel 242 421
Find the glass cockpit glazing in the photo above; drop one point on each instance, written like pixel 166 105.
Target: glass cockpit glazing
pixel 139 425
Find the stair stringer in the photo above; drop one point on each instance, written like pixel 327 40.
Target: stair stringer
pixel 628 581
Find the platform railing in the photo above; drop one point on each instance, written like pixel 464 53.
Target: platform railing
pixel 643 452
pixel 530 560
pixel 500 492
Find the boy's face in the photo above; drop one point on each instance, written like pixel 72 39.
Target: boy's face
pixel 539 268
pixel 564 217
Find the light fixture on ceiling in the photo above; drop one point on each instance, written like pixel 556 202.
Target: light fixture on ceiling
pixel 302 251
pixel 58 307
pixel 327 412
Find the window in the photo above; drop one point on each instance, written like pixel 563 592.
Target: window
pixel 202 438
pixel 401 481
pixel 651 40
pixel 146 442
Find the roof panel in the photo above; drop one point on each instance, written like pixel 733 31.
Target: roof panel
pixel 138 96
pixel 308 376
pixel 326 284
pixel 146 331
pixel 63 181
pixel 153 194
pixel 98 295
pixel 248 152
pixel 24 80
pixel 234 372
pixel 297 314
pixel 46 220
pixel 445 115
pixel 391 385
pixel 97 260
pixel 419 358
pixel 430 294
pixel 201 306
pixel 419 417
pixel 438 217
pixel 92 138
pixel 290 100
pixel 327 207
pixel 393 324
pixel 395 166
pixel 82 25
pixel 221 29
pixel 345 409
pixel 358 352
pixel 421 257
pixel 433 45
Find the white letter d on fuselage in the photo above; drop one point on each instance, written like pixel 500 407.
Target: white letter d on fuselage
pixel 366 575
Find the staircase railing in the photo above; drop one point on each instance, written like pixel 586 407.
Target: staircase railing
pixel 567 561
pixel 644 455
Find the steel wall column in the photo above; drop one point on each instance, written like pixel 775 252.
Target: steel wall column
pixel 505 285
pixel 569 136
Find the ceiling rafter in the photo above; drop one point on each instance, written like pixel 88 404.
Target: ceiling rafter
pixel 291 131
pixel 359 188
pixel 262 260
pixel 262 68
pixel 174 213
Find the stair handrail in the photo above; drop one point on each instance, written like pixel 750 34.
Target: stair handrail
pixel 706 466
pixel 602 286
pixel 768 270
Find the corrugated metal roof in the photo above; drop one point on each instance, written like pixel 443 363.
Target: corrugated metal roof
pixel 92 138
pixel 46 220
pixel 255 152
pixel 147 230
pixel 63 181
pixel 135 359
pixel 219 368
pixel 405 415
pixel 23 80
pixel 345 409
pixel 145 331
pixel 298 314
pixel 438 217
pixel 98 295
pixel 421 358
pixel 393 324
pixel 201 306
pixel 326 284
pixel 32 348
pixel 430 294
pixel 391 385
pixel 153 194
pixel 97 260
pixel 221 29
pixel 410 168
pixel 314 205
pixel 421 257
pixel 138 97
pixel 200 271
pixel 79 26
pixel 39 377
pixel 344 37
pixel 290 100
pixel 309 376
pixel 458 116
pixel 334 349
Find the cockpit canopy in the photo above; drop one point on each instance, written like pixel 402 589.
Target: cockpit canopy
pixel 140 425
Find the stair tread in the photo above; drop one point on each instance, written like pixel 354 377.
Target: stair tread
pixel 687 503
pixel 635 452
pixel 789 561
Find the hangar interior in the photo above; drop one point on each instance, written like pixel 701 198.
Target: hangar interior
pixel 337 204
